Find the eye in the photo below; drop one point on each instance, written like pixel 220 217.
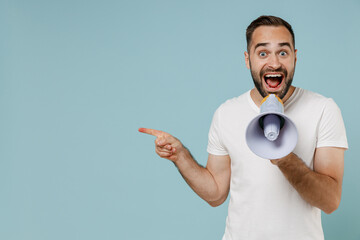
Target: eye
pixel 262 54
pixel 283 53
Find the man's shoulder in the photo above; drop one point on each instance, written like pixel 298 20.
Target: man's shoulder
pixel 235 101
pixel 309 94
pixel 234 109
pixel 312 101
pixel 302 96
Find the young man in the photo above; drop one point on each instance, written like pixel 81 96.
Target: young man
pixel 276 198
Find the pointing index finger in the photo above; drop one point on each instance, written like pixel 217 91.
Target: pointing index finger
pixel 153 132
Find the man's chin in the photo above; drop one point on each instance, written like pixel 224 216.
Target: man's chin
pixel 265 93
pixel 281 92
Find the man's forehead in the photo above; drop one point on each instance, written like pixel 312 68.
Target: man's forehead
pixel 271 35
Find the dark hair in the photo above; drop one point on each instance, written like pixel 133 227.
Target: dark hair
pixel 267 21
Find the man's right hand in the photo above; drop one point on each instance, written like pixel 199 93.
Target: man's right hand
pixel 166 145
pixel 211 183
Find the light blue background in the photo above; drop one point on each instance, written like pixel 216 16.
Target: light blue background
pixel 77 79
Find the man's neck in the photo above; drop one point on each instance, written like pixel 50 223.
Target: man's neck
pixel 257 98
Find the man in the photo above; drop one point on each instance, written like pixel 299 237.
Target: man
pixel 280 198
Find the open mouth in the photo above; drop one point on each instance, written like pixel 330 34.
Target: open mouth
pixel 273 81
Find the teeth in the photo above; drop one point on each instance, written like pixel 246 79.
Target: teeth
pixel 273 75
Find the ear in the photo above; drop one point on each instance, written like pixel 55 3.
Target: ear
pixel 247 59
pixel 295 56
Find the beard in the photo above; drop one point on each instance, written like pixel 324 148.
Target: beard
pixel 257 79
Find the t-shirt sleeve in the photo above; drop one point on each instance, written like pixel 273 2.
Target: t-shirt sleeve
pixel 332 131
pixel 215 144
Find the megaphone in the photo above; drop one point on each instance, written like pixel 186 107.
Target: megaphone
pixel 271 134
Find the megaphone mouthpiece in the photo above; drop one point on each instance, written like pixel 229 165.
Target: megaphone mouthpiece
pixel 271 127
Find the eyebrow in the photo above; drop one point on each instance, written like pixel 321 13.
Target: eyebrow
pixel 285 44
pixel 260 45
pixel 265 44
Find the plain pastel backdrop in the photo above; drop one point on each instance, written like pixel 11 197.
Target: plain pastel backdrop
pixel 78 78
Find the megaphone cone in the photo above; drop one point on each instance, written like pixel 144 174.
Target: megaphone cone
pixel 271 134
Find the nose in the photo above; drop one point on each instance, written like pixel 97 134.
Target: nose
pixel 274 62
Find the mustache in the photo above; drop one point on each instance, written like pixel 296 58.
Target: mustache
pixel 267 70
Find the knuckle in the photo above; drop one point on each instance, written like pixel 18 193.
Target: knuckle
pixel 164 155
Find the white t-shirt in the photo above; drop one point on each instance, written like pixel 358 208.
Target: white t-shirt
pixel 263 204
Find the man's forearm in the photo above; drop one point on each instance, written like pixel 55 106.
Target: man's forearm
pixel 317 189
pixel 197 177
pixel 200 179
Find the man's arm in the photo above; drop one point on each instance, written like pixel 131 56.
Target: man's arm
pixel 211 183
pixel 322 186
